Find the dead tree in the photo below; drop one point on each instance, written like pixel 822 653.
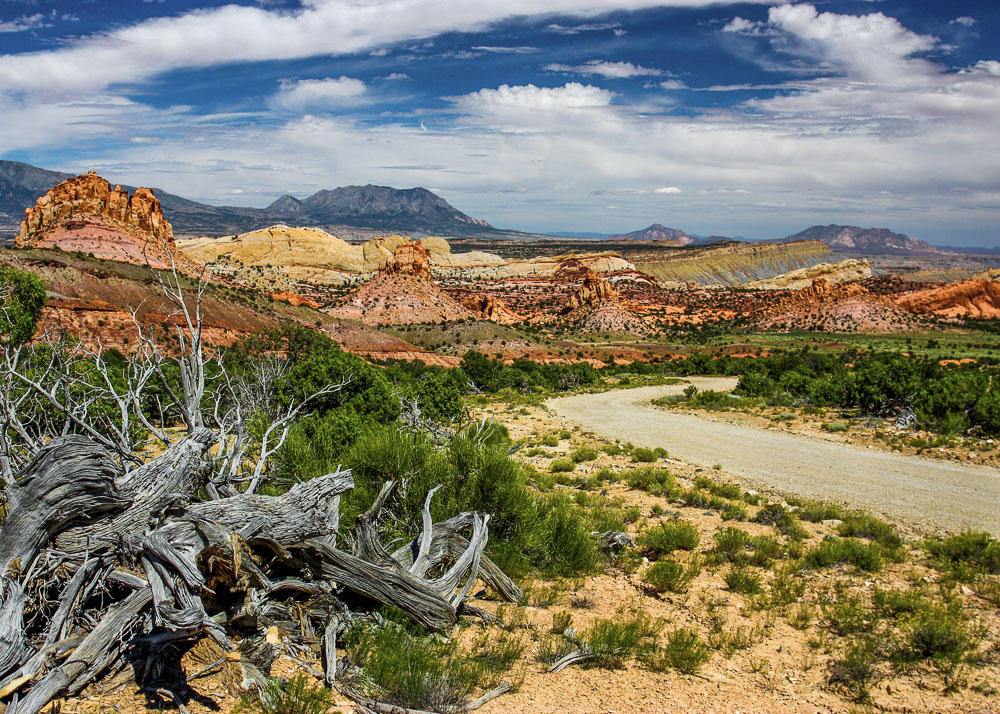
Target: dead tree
pixel 108 562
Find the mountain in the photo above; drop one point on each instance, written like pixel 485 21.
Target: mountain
pixel 852 239
pixel 367 208
pixel 20 186
pixel 657 232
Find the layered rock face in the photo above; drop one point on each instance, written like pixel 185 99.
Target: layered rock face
pixel 846 271
pixel 595 307
pixel 84 213
pixel 968 298
pixel 488 307
pixel 836 308
pixel 410 258
pixel 594 291
pixel 401 293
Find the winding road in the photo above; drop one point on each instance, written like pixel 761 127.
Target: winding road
pixel 925 494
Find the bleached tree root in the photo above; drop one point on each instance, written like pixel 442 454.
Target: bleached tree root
pixel 131 569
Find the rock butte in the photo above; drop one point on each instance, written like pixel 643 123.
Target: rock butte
pixel 85 214
pixel 969 298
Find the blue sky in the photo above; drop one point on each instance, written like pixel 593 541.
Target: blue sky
pixel 753 118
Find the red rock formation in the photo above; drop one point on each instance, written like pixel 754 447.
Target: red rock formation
pixel 295 299
pixel 410 258
pixel 968 298
pixel 86 214
pixel 493 309
pixel 401 293
pixel 835 308
pixel 593 292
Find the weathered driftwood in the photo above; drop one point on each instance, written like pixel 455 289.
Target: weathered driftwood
pixel 140 567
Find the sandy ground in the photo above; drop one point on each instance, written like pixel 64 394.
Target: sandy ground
pixel 921 493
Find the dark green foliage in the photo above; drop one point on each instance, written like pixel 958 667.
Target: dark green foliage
pixel 642 455
pixel 857 667
pixel 668 537
pixel 408 669
pixel 22 296
pixel 741 579
pixel 838 551
pixel 652 480
pixel 669 575
pixel 294 696
pixel 612 642
pixel 583 454
pixel 684 651
pixel 966 554
pixel 778 516
pixel 863 525
pixel 559 466
pixel 731 543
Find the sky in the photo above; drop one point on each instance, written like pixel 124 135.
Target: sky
pixel 752 119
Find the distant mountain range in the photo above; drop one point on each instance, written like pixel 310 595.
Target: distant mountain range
pixel 852 239
pixel 376 208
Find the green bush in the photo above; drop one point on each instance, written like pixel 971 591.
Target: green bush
pixel 642 455
pixel 684 651
pixel 559 466
pixel 583 454
pixel 837 551
pixel 835 426
pixel 650 479
pixel 863 525
pixel 294 696
pixel 975 552
pixel 612 642
pixel 668 537
pixel 731 543
pixel 550 440
pixel 22 306
pixel 669 575
pixel 740 579
pixel 857 668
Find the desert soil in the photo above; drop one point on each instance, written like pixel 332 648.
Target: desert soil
pixel 922 494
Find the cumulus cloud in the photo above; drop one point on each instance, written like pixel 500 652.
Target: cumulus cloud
pixel 609 70
pixel 327 93
pixel 672 84
pixel 528 99
pixel 236 33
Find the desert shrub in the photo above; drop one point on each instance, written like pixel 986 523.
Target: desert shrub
pixel 837 551
pixel 553 648
pixel 733 512
pixel 559 466
pixel 731 543
pixel 835 426
pixel 722 490
pixel 863 525
pixel 565 434
pixel 740 579
pixel 787 586
pixel 765 549
pixel 668 537
pixel 816 511
pixel 857 667
pixel 583 454
pixel 669 575
pixel 642 455
pixel 550 440
pixel 801 618
pixel 612 642
pixel 561 621
pixel 652 480
pixel 401 667
pixel 684 650
pixel 25 298
pixel 781 518
pixel 293 696
pixel 847 614
pixel 965 554
pixel 611 449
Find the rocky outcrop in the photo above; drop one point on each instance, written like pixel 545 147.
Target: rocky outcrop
pixel 732 264
pixel 409 258
pixel 835 308
pixel 295 299
pixel 401 293
pixel 493 309
pixel 85 214
pixel 850 270
pixel 968 298
pixel 592 292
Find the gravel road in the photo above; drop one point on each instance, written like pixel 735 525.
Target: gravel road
pixel 922 494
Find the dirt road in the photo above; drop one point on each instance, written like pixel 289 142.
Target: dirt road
pixel 923 494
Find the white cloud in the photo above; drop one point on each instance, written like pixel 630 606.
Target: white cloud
pixel 964 20
pixel 592 27
pixel 742 26
pixel 25 22
pixel 672 84
pixel 667 190
pixel 235 33
pixel 395 76
pixel 609 70
pixel 527 104
pixel 506 50
pixel 327 93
